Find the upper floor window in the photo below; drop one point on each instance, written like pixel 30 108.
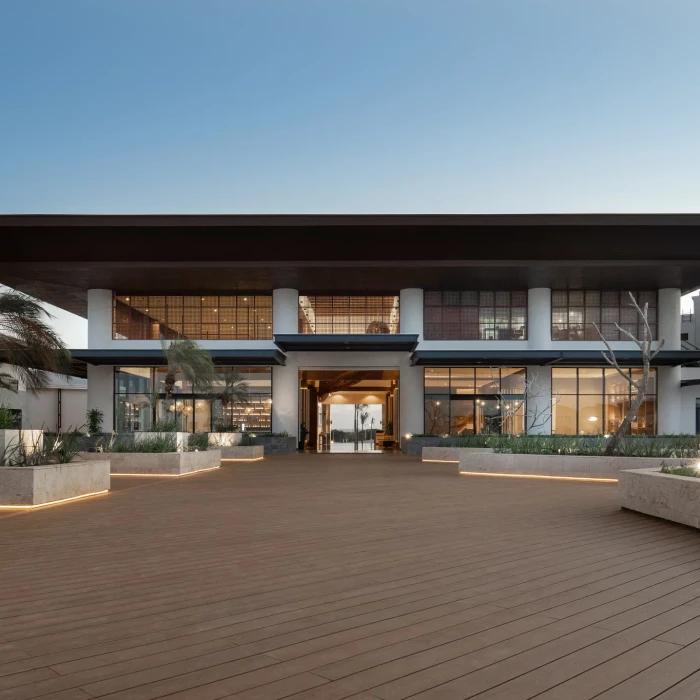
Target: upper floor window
pixel 231 317
pixel 348 314
pixel 576 313
pixel 475 315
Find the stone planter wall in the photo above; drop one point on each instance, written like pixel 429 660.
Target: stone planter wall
pixel 666 496
pixel 35 486
pixel 277 445
pixel 241 452
pixel 158 463
pixel 181 439
pixel 225 439
pixel 451 454
pixel 557 465
pixel 32 439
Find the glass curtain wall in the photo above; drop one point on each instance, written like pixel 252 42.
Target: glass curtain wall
pixel 139 400
pixel 354 315
pixel 225 317
pixel 471 400
pixel 595 400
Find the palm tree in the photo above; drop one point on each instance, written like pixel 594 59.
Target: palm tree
pixel 235 389
pixel 194 363
pixel 28 342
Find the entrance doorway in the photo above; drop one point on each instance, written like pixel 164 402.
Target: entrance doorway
pixel 349 410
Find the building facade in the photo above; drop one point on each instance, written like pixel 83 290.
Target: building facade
pixel 452 325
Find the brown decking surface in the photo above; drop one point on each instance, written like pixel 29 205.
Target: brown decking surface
pixel 332 577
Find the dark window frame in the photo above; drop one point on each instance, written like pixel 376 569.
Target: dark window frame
pixel 369 316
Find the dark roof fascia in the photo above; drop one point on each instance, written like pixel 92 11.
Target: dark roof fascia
pixel 135 358
pixel 325 342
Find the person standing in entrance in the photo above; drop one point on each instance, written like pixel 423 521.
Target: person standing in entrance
pixel 303 432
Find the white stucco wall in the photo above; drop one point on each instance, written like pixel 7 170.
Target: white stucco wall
pixel 100 393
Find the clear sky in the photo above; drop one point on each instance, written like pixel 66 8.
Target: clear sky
pixel 148 106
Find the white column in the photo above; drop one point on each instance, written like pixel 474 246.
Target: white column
pixel 538 420
pixel 411 311
pixel 539 318
pixel 285 399
pixel 695 338
pixel 410 401
pixel 285 311
pixel 668 400
pixel 669 378
pixel 670 318
pixel 100 393
pixel 99 318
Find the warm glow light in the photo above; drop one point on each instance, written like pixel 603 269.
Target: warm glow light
pixel 593 419
pixel 442 461
pixel 241 459
pixel 539 476
pixel 408 436
pixel 177 476
pixel 54 503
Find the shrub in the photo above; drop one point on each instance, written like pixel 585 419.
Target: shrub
pixel 8 418
pixel 198 441
pixel 62 450
pixel 247 440
pixel 164 426
pixel 94 420
pixel 150 444
pixel 227 428
pixel 682 470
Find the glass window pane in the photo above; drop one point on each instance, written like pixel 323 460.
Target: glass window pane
pixel 590 380
pixel 512 380
pixel 133 380
pixel 436 415
pixel 590 414
pixel 462 421
pixel 564 380
pixel 614 383
pixel 202 416
pixel 645 423
pixel 513 416
pixel 616 407
pixel 437 381
pixel 132 412
pixel 564 415
pixel 488 380
pixel 487 416
pixel 462 380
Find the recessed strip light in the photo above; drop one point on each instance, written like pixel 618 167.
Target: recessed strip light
pixel 540 476
pixel 442 461
pixel 241 459
pixel 176 476
pixel 55 503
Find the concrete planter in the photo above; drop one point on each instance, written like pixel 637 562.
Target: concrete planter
pixel 31 439
pixel 277 445
pixel 246 453
pixel 666 496
pixel 557 465
pixel 225 439
pixel 26 487
pixel 181 439
pixel 451 454
pixel 158 463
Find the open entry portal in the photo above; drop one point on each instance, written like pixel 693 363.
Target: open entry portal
pixel 349 410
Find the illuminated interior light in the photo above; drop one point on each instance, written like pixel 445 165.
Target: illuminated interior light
pixel 55 503
pixel 540 476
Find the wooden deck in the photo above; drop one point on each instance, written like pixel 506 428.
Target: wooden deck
pixel 329 577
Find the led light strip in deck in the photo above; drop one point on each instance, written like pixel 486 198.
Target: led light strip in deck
pixel 241 459
pixel 54 503
pixel 442 461
pixel 174 476
pixel 541 476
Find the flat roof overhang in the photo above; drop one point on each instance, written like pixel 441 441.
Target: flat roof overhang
pixel 210 254
pixel 149 358
pixel 325 342
pixel 561 358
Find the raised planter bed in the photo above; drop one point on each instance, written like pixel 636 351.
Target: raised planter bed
pixel 666 496
pixel 451 454
pixel 607 468
pixel 32 439
pixel 277 445
pixel 31 487
pixel 158 463
pixel 242 453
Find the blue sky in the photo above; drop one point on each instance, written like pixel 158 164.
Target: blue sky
pixel 231 106
pixel 124 106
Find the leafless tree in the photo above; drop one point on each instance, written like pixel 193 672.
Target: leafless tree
pixel 535 413
pixel 641 385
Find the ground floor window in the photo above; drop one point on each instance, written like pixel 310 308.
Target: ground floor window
pixel 595 400
pixel 140 401
pixel 468 400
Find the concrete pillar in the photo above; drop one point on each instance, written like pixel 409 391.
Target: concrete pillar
pixel 695 337
pixel 410 402
pixel 670 318
pixel 538 407
pixel 669 400
pixel 99 318
pixel 285 311
pixel 100 393
pixel 285 400
pixel 539 318
pixel 411 311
